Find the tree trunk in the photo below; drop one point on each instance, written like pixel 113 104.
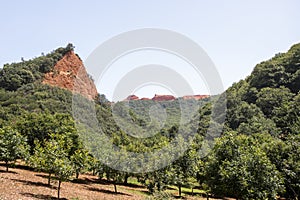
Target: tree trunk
pixel 192 191
pixel 126 179
pixel 49 178
pixel 158 186
pixel 207 196
pixel 115 186
pixel 58 189
pixel 77 175
pixel 6 164
pixel 179 190
pixel 295 194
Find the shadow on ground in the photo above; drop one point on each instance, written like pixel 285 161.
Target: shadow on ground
pixel 106 191
pixel 35 183
pixel 88 181
pixel 9 172
pixel 41 196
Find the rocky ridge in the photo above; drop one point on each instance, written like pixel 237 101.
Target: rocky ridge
pixel 69 73
pixel 166 97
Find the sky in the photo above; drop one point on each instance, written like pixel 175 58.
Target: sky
pixel 235 34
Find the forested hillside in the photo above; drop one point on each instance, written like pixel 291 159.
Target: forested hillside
pixel 256 157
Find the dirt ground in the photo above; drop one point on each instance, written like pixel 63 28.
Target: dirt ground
pixel 23 184
pixel 20 184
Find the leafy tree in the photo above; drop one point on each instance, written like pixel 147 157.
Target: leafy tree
pixel 274 102
pixel 52 157
pixel 40 126
pixel 258 124
pixel 94 165
pixel 63 171
pixel 156 180
pixel 238 167
pixel 291 167
pixel 79 160
pixel 294 115
pixel 183 170
pixel 12 145
pixel 268 74
pixel 115 176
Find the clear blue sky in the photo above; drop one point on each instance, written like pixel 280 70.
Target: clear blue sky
pixel 235 34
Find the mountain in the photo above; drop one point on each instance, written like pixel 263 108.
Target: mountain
pixel 45 84
pixel 268 99
pixel 61 68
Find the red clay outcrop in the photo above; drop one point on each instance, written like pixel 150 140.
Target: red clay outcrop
pixel 163 98
pixel 69 73
pixel 132 97
pixel 166 97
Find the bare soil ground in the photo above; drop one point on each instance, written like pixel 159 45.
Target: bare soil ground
pixel 23 184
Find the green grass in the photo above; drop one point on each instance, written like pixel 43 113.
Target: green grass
pixel 170 189
pixel 185 191
pixel 134 181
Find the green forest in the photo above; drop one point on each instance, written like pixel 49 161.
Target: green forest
pixel 257 155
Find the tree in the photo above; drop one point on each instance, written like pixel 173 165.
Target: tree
pixel 79 161
pixel 183 171
pixel 40 126
pixel 12 145
pixel 156 180
pixel 52 157
pixel 115 175
pixel 291 167
pixel 238 167
pixel 274 102
pixel 294 115
pixel 94 165
pixel 63 170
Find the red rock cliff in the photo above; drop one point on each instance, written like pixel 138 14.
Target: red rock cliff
pixel 69 73
pixel 163 98
pixel 132 97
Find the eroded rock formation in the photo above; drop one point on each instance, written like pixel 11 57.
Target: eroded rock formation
pixel 69 73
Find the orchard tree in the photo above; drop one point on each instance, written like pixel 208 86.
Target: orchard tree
pixel 12 146
pixel 115 176
pixel 183 171
pixel 80 161
pixel 95 166
pixel 63 170
pixel 40 126
pixel 238 167
pixel 156 180
pixel 52 157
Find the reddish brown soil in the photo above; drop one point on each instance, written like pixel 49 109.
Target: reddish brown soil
pixel 166 97
pixel 22 184
pixel 132 97
pixel 69 73
pixel 163 98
